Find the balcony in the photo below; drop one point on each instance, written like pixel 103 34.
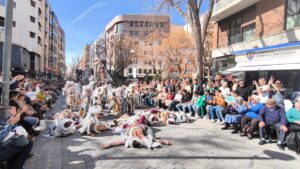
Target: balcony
pixel 226 8
pixel 280 38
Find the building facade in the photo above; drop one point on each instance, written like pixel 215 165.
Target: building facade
pixel 38 48
pixel 258 38
pixel 137 27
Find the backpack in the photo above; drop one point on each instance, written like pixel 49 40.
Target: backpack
pixel 293 141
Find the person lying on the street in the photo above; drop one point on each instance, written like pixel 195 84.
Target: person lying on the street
pixel 139 136
pixel 272 116
pixel 14 146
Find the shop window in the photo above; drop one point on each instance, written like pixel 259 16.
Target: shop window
pixel 235 31
pixel 293 14
pixel 248 32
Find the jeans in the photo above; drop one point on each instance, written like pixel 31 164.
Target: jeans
pixel 149 101
pixel 216 110
pixel 173 106
pixel 15 156
pixel 208 110
pixel 266 130
pixel 34 121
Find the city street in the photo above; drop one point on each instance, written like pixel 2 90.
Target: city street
pixel 198 144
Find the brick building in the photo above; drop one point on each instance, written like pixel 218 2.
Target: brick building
pixel 258 38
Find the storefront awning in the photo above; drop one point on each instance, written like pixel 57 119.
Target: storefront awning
pixel 264 67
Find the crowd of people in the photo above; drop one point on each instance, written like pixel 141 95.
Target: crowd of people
pixel 29 100
pixel 260 109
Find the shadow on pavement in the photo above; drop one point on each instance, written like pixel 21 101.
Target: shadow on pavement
pixel 272 155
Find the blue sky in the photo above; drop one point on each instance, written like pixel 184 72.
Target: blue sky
pixel 84 20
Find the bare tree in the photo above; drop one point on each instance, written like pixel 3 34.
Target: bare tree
pixel 192 16
pixel 155 58
pixel 121 57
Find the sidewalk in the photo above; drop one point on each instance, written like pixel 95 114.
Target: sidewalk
pixel 199 144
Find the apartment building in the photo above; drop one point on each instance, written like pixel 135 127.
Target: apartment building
pixel 38 48
pixel 137 27
pixel 258 38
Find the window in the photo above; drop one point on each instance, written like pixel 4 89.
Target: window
pixel 156 24
pixel 150 71
pixel 15 5
pixel 32 3
pixel 14 23
pixel 161 24
pixel 248 32
pixel 142 24
pixel 131 33
pixel 150 24
pixel 32 19
pixel 146 33
pixel 145 71
pixel 140 71
pixel 131 23
pixel 32 34
pixel 136 33
pixel 39 41
pixel 130 70
pixel 154 71
pixel 40 26
pixel 293 14
pixel 146 24
pixel 136 23
pixel 235 31
pixel 2 21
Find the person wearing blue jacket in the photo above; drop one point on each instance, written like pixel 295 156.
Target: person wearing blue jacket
pixel 272 115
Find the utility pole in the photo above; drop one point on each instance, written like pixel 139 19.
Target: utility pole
pixel 6 64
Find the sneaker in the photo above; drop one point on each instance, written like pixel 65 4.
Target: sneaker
pixel 218 122
pixel 212 121
pixel 280 146
pixel 262 142
pixel 249 136
pixel 222 123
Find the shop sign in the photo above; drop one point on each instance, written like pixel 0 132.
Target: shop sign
pixel 291 54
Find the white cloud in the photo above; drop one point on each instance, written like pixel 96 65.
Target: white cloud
pixel 88 11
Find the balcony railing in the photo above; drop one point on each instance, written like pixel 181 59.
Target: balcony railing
pixel 220 4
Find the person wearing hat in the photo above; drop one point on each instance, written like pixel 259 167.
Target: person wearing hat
pixel 272 116
pixel 293 115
